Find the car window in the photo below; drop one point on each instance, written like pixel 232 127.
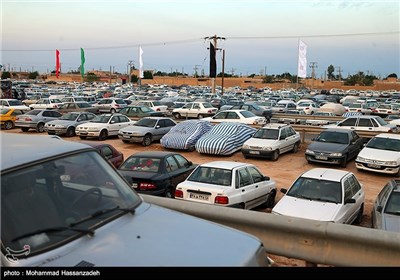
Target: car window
pixel 244 177
pixel 393 204
pixel 255 174
pixel 172 165
pixel 349 122
pixel 169 123
pixel 221 115
pixel 365 123
pixel 106 152
pixel 290 131
pixel 383 195
pixel 182 162
pixel 47 114
pixel 347 189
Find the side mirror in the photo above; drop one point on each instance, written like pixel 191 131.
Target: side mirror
pixel 266 178
pixel 189 163
pixel 283 190
pixel 157 127
pixel 379 208
pixel 349 200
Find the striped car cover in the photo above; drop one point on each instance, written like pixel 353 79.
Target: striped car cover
pixel 185 134
pixel 224 138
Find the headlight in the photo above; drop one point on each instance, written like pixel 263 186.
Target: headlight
pixel 390 163
pixel 360 159
pixel 336 154
pixel 309 152
pixel 266 148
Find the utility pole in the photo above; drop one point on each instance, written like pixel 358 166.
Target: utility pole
pixel 130 63
pixel 313 65
pixel 223 72
pixel 340 72
pixel 214 38
pixel 196 67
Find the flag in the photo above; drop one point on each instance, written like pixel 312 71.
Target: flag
pixel 140 63
pixel 57 63
pixel 213 63
pixel 82 62
pixel 302 60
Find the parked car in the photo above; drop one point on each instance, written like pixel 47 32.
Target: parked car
pixel 237 116
pixel 61 221
pixel 156 172
pixel 365 123
pixel 185 134
pixel 334 146
pixel 359 107
pixel 80 106
pixel 197 110
pixel 224 139
pixel 110 105
pixel 36 119
pixel 324 194
pixel 309 107
pixel 319 122
pixel 153 104
pixel 283 105
pixel 8 116
pixel 385 214
pixel 228 183
pixel 384 110
pixel 12 103
pixel 146 130
pixel 107 151
pixel 46 103
pixel 103 126
pixel 67 123
pixel 140 112
pixel 381 154
pixel 290 117
pixel 272 140
pixel 255 109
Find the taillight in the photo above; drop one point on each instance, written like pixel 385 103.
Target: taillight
pixel 28 119
pixel 209 111
pixel 146 186
pixel 179 193
pixel 117 105
pixel 221 200
pixel 158 110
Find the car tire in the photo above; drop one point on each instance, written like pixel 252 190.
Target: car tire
pixel 147 140
pixel 168 193
pixel 103 135
pixel 24 129
pixel 200 116
pixel 83 137
pixel 360 214
pixel 270 200
pixel 191 148
pixel 125 141
pixel 275 155
pixel 70 132
pixel 40 127
pixel 295 147
pixel 8 125
pixel 176 115
pixel 343 163
pixel 113 111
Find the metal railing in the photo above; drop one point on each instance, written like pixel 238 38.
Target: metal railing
pixel 312 241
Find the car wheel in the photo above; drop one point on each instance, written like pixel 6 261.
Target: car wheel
pixel 245 156
pixel 275 155
pixel 168 193
pixel 113 111
pixel 8 125
pixel 70 132
pixel 146 140
pixel 24 129
pixel 295 147
pixel 40 127
pixel 177 115
pixel 270 200
pixel 83 137
pixel 103 135
pixel 200 116
pixel 343 163
pixel 125 141
pixel 360 214
pixel 191 148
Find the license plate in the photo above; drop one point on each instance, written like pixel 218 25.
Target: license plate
pixel 373 165
pixel 254 152
pixel 83 133
pixel 199 196
pixel 134 185
pixel 126 136
pixel 321 157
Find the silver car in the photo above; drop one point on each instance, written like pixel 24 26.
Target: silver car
pixel 67 123
pixel 67 206
pixel 36 119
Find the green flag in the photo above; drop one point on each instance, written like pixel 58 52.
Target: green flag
pixel 82 63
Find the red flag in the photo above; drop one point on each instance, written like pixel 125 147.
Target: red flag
pixel 57 63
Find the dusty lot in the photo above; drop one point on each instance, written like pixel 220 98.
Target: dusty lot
pixel 284 171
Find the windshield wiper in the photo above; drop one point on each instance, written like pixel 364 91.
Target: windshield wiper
pixel 53 229
pixel 101 212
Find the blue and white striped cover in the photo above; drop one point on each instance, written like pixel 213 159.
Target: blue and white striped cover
pixel 184 135
pixel 224 138
pixel 350 114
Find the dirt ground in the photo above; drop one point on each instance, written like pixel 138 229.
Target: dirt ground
pixel 284 171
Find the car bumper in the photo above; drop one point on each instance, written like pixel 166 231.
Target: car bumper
pixel 327 159
pixel 87 133
pixel 377 168
pixel 56 131
pixel 29 125
pixel 257 153
pixel 136 139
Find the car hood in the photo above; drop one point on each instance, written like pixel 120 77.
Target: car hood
pixel 306 209
pixel 391 222
pixel 327 147
pixel 380 155
pixel 60 122
pixel 149 238
pixel 94 124
pixel 261 142
pixel 134 128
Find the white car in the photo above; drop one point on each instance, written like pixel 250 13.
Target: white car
pixel 155 105
pixel 46 103
pixel 228 183
pixel 103 126
pixel 324 194
pixel 13 103
pixel 271 141
pixel 365 123
pixel 194 110
pixel 309 107
pixel 241 116
pixel 110 105
pixel 381 154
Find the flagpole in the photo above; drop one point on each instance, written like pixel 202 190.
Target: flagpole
pixel 298 61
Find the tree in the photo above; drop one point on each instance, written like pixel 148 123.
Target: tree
pixel 147 75
pixel 360 79
pixel 393 75
pixel 33 75
pixel 330 71
pixel 91 77
pixel 5 75
pixel 134 79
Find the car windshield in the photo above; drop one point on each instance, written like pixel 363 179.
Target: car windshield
pixel 211 175
pixel 4 111
pixel 33 112
pixel 144 164
pixel 101 119
pixel 69 116
pixel 83 105
pixel 15 102
pixel 314 189
pixel 333 137
pixel 381 143
pixel 50 202
pixel 393 204
pixel 263 133
pixel 145 122
pixel 207 105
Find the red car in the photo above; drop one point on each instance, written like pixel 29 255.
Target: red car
pixel 108 151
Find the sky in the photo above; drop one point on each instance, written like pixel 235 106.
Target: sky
pixel 257 37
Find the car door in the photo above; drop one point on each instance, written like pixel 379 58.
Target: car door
pixel 116 123
pixel 355 144
pixel 175 175
pixel 349 123
pixel 261 187
pixel 378 206
pixel 365 125
pixel 352 189
pixel 247 190
pixel 286 140
pixel 185 168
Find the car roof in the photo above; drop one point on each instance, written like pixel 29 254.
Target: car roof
pixel 159 154
pixel 388 135
pixel 329 174
pixel 44 146
pixel 274 125
pixel 225 164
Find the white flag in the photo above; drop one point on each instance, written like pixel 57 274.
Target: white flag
pixel 302 63
pixel 140 63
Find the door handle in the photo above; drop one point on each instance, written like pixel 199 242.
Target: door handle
pixel 243 190
pixel 257 186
